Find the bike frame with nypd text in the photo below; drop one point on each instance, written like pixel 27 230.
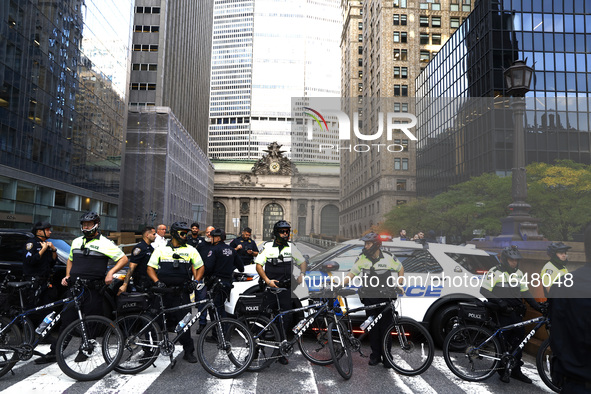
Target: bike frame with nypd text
pixel 541 320
pixel 26 350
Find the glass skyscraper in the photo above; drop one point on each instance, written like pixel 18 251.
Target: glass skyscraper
pixel 461 136
pixel 63 76
pixel 265 52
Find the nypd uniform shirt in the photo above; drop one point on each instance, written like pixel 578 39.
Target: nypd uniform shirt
pixel 386 262
pixel 248 244
pixel 36 264
pixel 90 257
pixel 505 285
pixel 165 256
pixel 550 273
pixel 140 255
pixel 278 260
pixel 194 242
pixel 221 262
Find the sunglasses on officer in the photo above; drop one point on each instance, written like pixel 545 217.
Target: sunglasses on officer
pixel 182 233
pixel 286 231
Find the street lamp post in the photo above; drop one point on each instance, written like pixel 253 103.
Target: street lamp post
pixel 312 226
pixel 519 225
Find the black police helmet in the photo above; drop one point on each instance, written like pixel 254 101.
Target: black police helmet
pixel 90 217
pixel 280 225
pixel 179 226
pixel 375 239
pixel 556 247
pixel 510 252
pixel 40 226
pixel 218 232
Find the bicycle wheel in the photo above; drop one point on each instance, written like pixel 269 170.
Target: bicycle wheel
pixel 544 365
pixel 139 351
pixel 90 348
pixel 225 348
pixel 468 357
pixel 313 342
pixel 408 347
pixel 266 342
pixel 10 338
pixel 340 349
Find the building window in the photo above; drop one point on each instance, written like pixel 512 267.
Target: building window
pixel 454 22
pixel 403 20
pixel 466 5
pixel 436 21
pixel 403 37
pixel 396 72
pixel 424 21
pixel 396 108
pixel 360 86
pixel 425 56
pixel 397 163
pixel 436 6
pixel 396 19
pixel 360 62
pixel 143 86
pixel 404 164
pixel 424 5
pixel 360 50
pixel 360 25
pixel 144 67
pixel 404 72
pixel 360 38
pixel 436 39
pixel 400 54
pixel 396 90
pixel 360 74
pixel 401 184
pixel 404 107
pixel 454 6
pixel 404 91
pixel 424 37
pixel 399 4
pixel 396 36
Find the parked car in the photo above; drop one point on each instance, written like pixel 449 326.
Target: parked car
pixel 438 276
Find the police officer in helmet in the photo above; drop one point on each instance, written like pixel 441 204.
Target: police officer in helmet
pixel 275 266
pixel 504 286
pixel 89 258
pixel 372 262
pixel 219 266
pixel 178 265
pixel 556 267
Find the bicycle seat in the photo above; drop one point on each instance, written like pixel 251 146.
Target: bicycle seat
pixel 18 285
pixel 344 292
pixel 276 289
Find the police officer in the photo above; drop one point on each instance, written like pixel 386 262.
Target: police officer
pixel 556 267
pixel 219 265
pixel 372 262
pixel 275 266
pixel 246 247
pixel 89 257
pixel 203 248
pixel 178 264
pixel 38 264
pixel 504 286
pixel 138 262
pixel 193 238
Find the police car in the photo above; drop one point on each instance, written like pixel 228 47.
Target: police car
pixel 437 277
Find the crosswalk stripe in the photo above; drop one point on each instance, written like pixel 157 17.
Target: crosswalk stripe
pixel 468 387
pixel 415 384
pixel 50 379
pixel 132 384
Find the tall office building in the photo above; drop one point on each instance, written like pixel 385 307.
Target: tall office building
pixel 266 52
pixel 466 136
pixel 385 45
pixel 168 121
pixel 62 110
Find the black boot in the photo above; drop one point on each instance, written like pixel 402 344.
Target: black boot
pixel 517 374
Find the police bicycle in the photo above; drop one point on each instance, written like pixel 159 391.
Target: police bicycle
pixel 87 349
pixel 224 348
pixel 268 328
pixel 476 348
pixel 407 346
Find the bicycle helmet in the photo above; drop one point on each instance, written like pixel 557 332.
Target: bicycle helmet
pixel 375 239
pixel 179 226
pixel 556 247
pixel 41 226
pixel 90 217
pixel 218 232
pixel 510 252
pixel 280 225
